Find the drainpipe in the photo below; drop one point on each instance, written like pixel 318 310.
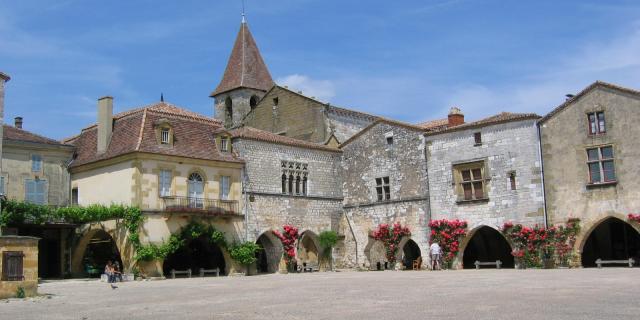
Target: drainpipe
pixel 245 208
pixel 544 195
pixel 354 238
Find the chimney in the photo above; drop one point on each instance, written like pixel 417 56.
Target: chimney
pixel 3 79
pixel 105 123
pixel 18 122
pixel 455 117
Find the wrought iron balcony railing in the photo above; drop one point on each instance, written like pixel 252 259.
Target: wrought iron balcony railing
pixel 202 205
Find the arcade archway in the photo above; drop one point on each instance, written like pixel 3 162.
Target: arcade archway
pixel 487 245
pixel 611 239
pixel 100 249
pixel 268 259
pixel 410 253
pixel 195 254
pixel 308 251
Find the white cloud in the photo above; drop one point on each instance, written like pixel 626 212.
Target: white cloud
pixel 323 90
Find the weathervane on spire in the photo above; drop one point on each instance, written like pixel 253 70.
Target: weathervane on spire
pixel 244 20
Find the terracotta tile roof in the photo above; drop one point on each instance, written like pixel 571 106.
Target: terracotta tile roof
pixel 11 133
pixel 585 91
pixel 432 125
pixel 245 68
pixel 495 119
pixel 134 131
pixel 261 135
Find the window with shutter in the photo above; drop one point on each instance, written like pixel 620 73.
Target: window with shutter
pixel 36 163
pixel 1 185
pixel 12 266
pixel 470 181
pixel 35 191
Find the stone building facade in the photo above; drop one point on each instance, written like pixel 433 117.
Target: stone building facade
pixel 285 112
pixel 21 272
pixel 590 146
pixel 385 181
pixel 487 173
pixel 288 181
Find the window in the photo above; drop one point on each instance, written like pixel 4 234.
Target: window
pixel 228 114
pixel 596 123
pixel 382 188
pixel 512 180
pixel 74 196
pixel 12 266
pixel 275 101
pixel 36 163
pixel 164 136
pixel 477 137
pixel 253 102
pixel 224 144
pixel 195 191
pixel 470 181
pixel 601 166
pixel 164 183
pixel 1 185
pixel 224 187
pixel 35 191
pixel 389 137
pixel 294 178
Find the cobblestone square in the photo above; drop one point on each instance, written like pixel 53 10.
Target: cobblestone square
pixel 610 293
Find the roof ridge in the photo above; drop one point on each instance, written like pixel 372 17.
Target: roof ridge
pixel 144 119
pixel 32 133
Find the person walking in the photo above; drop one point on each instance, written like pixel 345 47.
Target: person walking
pixel 436 253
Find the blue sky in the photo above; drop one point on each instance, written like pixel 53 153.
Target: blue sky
pixel 407 60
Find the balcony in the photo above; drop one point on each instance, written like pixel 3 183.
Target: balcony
pixel 209 207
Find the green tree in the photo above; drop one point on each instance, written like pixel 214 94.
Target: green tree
pixel 328 240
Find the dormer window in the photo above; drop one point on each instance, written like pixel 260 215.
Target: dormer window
pixel 164 136
pixel 224 144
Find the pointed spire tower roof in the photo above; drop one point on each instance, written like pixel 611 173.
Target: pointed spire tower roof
pixel 245 68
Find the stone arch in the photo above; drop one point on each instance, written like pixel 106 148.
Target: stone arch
pixel 308 248
pixel 376 255
pixel 609 238
pixel 195 254
pixel 116 234
pixel 268 259
pixel 485 244
pixel 408 251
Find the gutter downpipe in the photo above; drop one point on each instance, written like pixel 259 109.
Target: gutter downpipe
pixel 544 194
pixel 246 202
pixel 355 240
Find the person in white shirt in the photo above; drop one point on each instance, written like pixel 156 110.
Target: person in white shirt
pixel 436 253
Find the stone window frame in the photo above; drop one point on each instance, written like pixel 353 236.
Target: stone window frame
pixel 600 161
pixel 597 127
pixel 458 181
pixel 160 127
pixel 294 178
pixel 383 188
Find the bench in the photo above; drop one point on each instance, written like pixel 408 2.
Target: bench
pixel 310 267
pixel 630 262
pixel 496 263
pixel 176 272
pixel 211 271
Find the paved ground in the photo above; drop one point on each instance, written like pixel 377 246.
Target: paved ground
pixel 485 294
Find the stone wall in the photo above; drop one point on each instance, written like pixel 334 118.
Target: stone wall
pixel 505 148
pixel 366 158
pixel 345 124
pixel 240 99
pixel 29 247
pixel 565 139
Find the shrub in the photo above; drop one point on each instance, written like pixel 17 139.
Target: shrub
pixel 390 238
pixel 448 234
pixel 244 253
pixel 20 294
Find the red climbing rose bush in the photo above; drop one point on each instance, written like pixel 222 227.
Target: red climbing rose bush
pixel 533 245
pixel 390 238
pixel 448 234
pixel 288 238
pixel 634 217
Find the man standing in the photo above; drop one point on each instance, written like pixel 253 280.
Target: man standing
pixel 436 253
